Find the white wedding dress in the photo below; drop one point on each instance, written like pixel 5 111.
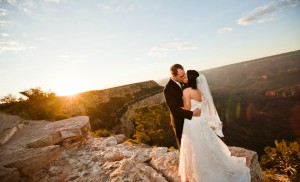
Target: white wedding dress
pixel 204 157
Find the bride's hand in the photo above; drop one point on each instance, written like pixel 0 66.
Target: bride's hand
pixel 197 112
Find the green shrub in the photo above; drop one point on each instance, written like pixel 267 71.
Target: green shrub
pixel 147 124
pixel 102 133
pixel 132 141
pixel 151 125
pixel 284 158
pixel 142 137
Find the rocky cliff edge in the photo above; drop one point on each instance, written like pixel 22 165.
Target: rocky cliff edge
pixel 65 151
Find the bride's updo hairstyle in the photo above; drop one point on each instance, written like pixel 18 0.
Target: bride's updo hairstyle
pixel 192 78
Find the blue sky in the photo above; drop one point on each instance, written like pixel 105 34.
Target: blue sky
pixel 71 46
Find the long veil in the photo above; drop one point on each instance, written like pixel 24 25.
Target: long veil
pixel 209 110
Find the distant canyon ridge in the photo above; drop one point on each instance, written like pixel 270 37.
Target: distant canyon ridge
pixel 258 101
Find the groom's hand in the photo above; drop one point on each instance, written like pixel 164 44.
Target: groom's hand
pixel 197 112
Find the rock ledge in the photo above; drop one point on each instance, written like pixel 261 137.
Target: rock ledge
pixel 64 151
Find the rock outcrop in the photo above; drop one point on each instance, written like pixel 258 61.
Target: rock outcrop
pixel 65 151
pixel 38 144
pixel 9 125
pixel 78 104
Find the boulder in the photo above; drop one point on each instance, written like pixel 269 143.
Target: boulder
pixel 251 161
pixel 66 130
pixel 33 160
pixel 9 125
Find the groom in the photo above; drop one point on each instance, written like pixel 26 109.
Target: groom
pixel 173 98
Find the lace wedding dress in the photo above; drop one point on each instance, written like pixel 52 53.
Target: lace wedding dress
pixel 204 157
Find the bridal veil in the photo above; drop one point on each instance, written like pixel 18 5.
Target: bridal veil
pixel 209 110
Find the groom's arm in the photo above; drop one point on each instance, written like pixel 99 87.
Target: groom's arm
pixel 174 108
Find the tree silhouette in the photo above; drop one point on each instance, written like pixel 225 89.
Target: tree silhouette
pixel 36 105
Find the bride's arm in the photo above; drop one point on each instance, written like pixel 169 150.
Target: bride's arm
pixel 186 100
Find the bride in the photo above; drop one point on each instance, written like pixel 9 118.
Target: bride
pixel 203 155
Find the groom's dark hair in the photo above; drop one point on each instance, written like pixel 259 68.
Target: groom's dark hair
pixel 174 69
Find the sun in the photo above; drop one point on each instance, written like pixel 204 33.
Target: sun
pixel 70 88
pixel 68 91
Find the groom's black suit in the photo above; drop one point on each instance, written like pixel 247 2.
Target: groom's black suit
pixel 173 98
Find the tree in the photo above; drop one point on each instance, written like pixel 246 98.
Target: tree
pixel 42 105
pixel 36 105
pixel 8 99
pixel 148 122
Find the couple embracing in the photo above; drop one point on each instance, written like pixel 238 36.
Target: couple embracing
pixel 204 157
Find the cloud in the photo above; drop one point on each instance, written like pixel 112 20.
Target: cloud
pixel 225 30
pixel 11 46
pixel 26 10
pixel 118 7
pixel 4 23
pixel 5 35
pixel 266 12
pixel 52 1
pixel 12 2
pixel 171 46
pixel 3 12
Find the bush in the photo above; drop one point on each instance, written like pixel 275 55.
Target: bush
pixel 151 125
pixel 132 141
pixel 102 133
pixel 142 137
pixel 38 105
pixel 284 158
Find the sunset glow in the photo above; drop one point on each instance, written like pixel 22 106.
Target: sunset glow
pixel 74 46
pixel 69 85
pixel 69 88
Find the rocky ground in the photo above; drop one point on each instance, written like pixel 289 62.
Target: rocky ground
pixel 65 151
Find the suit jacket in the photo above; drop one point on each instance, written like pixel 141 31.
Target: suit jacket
pixel 173 98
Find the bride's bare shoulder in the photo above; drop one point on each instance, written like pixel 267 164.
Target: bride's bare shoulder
pixel 187 90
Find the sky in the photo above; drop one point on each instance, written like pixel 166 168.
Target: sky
pixel 72 46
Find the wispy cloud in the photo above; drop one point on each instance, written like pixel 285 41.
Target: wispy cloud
pixel 52 1
pixel 3 12
pixel 12 2
pixel 11 46
pixel 26 10
pixel 29 7
pixel 4 23
pixel 5 35
pixel 171 46
pixel 225 30
pixel 111 6
pixel 266 12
